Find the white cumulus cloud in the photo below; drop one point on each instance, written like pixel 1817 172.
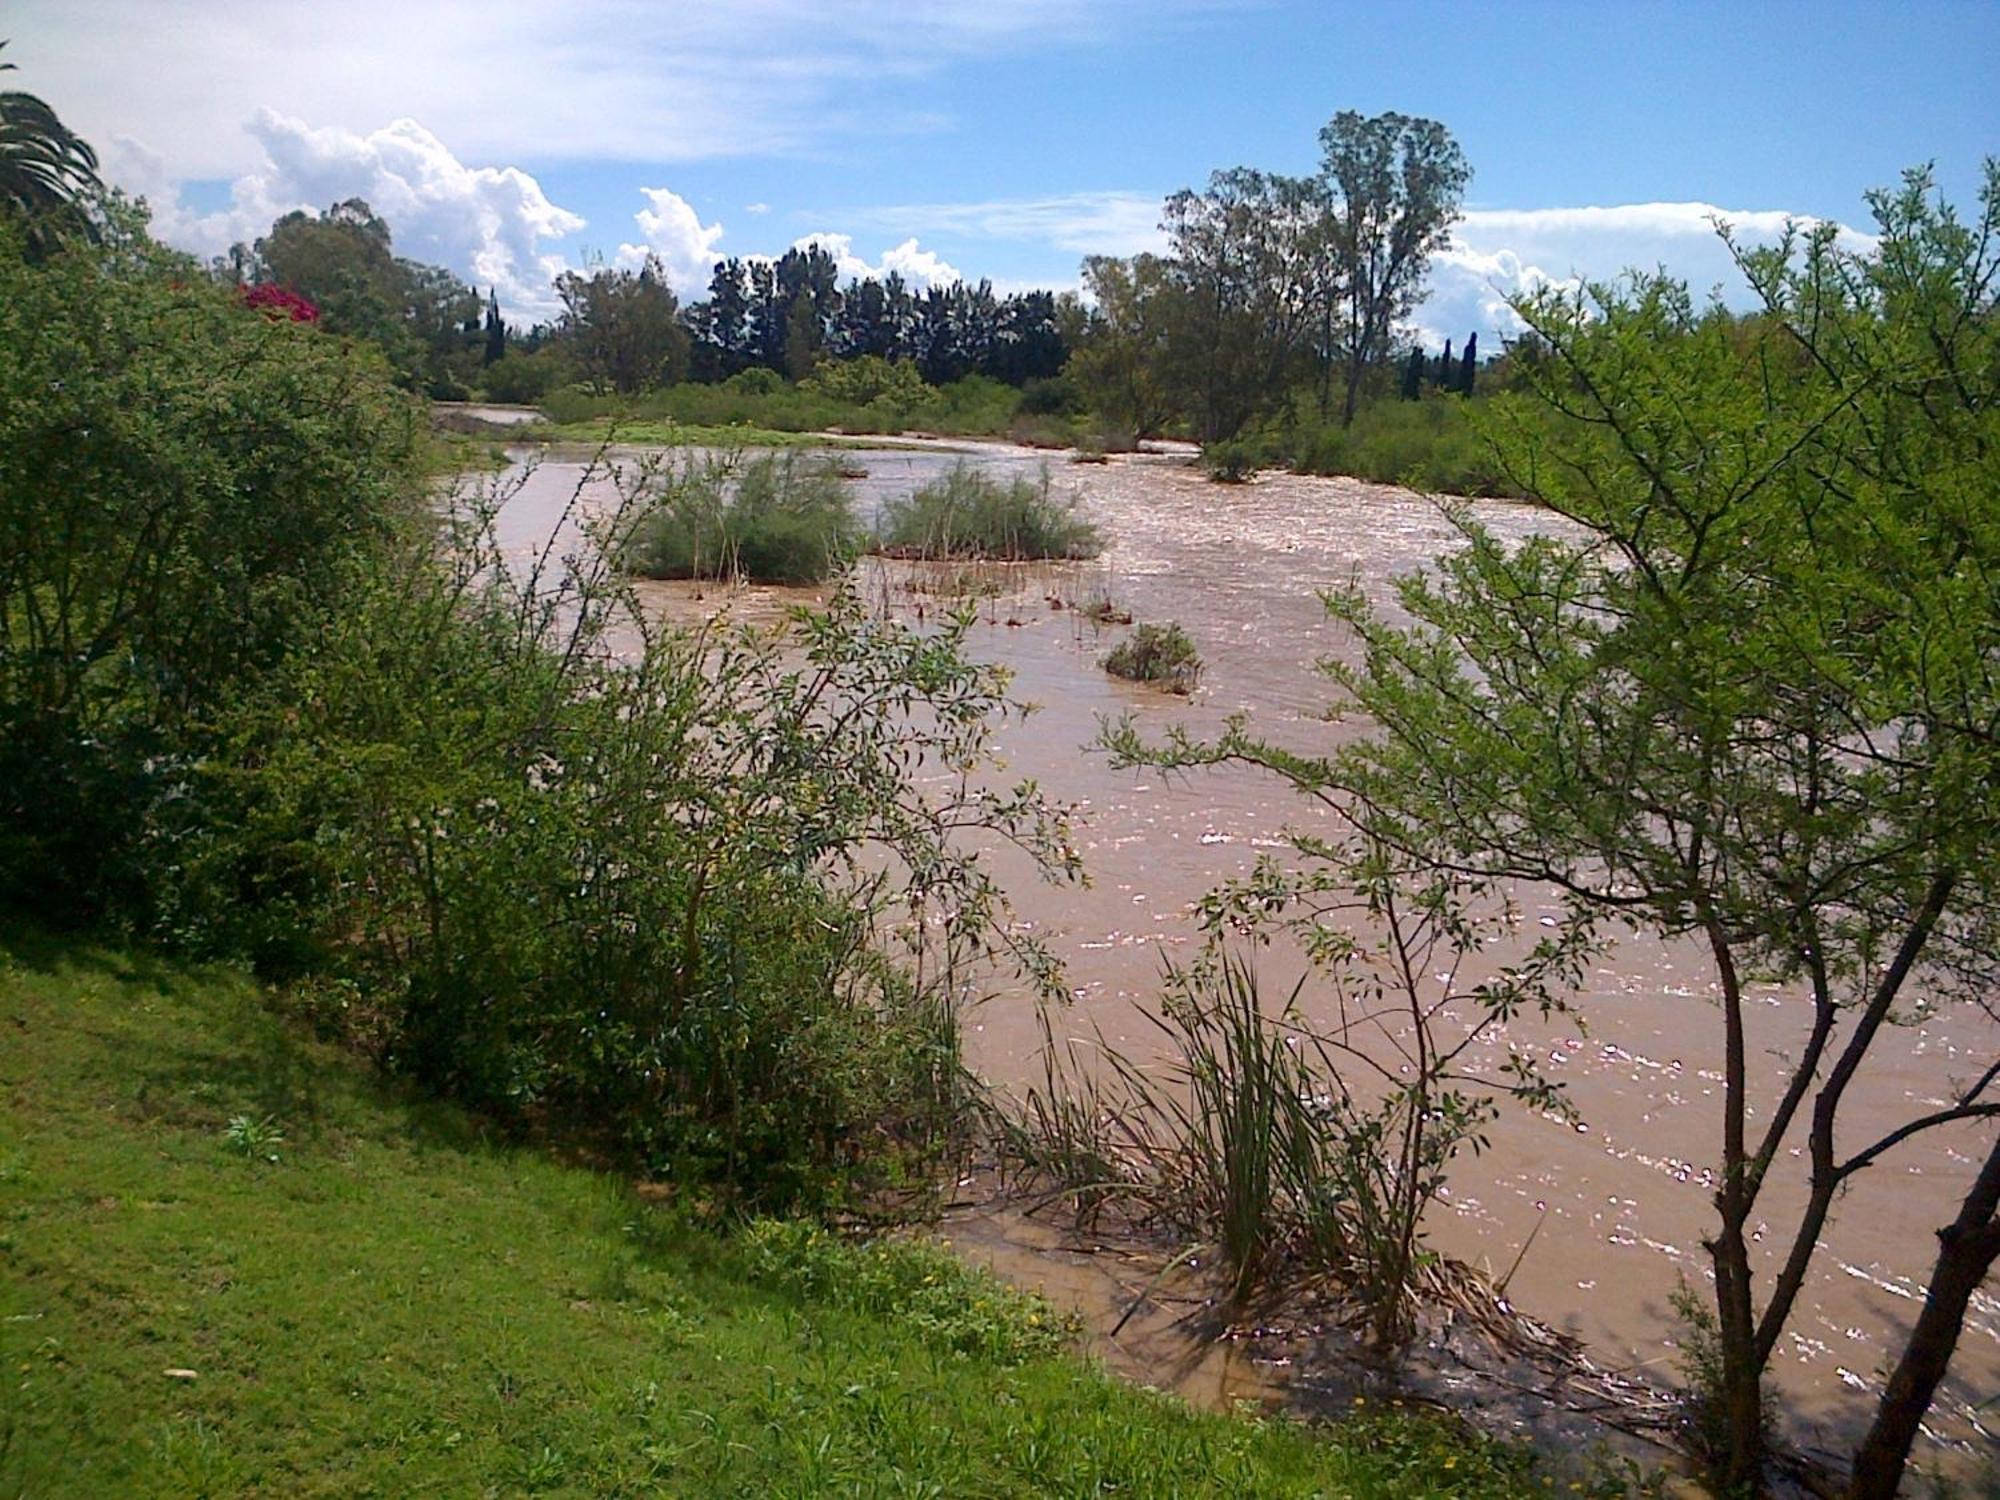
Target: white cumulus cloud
pixel 920 268
pixel 491 225
pixel 1499 253
pixel 670 228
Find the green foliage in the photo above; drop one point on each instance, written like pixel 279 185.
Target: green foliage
pixel 421 318
pixel 1435 445
pixel 409 1308
pixel 1744 697
pixel 944 1301
pixel 623 327
pixel 1118 365
pixel 1391 185
pixel 524 378
pixel 631 891
pixel 858 382
pixel 775 518
pixel 48 174
pixel 1244 293
pixel 252 1135
pixel 1233 462
pixel 969 513
pixel 185 487
pixel 760 398
pixel 1157 653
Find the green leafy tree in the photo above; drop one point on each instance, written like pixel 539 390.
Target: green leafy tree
pixel 1749 700
pixel 47 172
pixel 623 327
pixel 1120 341
pixel 1390 188
pixel 1245 257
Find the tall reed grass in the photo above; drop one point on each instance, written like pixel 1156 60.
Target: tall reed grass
pixel 968 513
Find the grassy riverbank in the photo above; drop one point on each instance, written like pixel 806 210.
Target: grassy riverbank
pixel 350 1291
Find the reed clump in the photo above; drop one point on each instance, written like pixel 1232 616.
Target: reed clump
pixel 967 513
pixel 778 518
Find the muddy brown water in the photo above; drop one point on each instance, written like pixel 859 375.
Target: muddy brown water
pixel 1621 1200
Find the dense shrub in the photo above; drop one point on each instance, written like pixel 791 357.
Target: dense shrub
pixel 867 380
pixel 1157 653
pixel 536 851
pixel 1233 462
pixel 969 513
pixel 774 518
pixel 525 379
pixel 1431 445
pixel 629 889
pixel 186 483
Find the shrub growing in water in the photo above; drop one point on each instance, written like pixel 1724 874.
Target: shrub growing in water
pixel 969 513
pixel 1229 463
pixel 1157 653
pixel 775 518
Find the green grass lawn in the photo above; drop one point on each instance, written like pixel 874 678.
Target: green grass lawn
pixel 385 1302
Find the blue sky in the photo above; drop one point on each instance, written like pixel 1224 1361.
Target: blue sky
pixel 510 139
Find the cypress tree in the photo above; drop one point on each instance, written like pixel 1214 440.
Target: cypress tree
pixel 1445 368
pixel 1413 374
pixel 1468 365
pixel 496 331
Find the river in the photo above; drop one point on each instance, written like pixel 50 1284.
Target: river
pixel 1626 1195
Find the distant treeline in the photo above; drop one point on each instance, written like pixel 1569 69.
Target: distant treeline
pixel 623 329
pixel 1278 318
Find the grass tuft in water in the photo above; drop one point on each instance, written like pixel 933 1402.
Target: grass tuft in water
pixel 970 514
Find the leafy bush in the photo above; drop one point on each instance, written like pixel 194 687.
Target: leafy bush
pixel 186 485
pixel 1431 445
pixel 1229 463
pixel 527 378
pixel 1052 396
pixel 969 513
pixel 1157 653
pixel 775 518
pixel 860 382
pixel 632 890
pixel 758 380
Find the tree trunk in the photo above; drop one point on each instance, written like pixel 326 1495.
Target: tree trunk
pixel 1742 1395
pixel 1967 1248
pixel 1354 369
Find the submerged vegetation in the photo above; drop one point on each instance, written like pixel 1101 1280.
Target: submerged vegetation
pixel 970 514
pixel 1162 654
pixel 773 518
